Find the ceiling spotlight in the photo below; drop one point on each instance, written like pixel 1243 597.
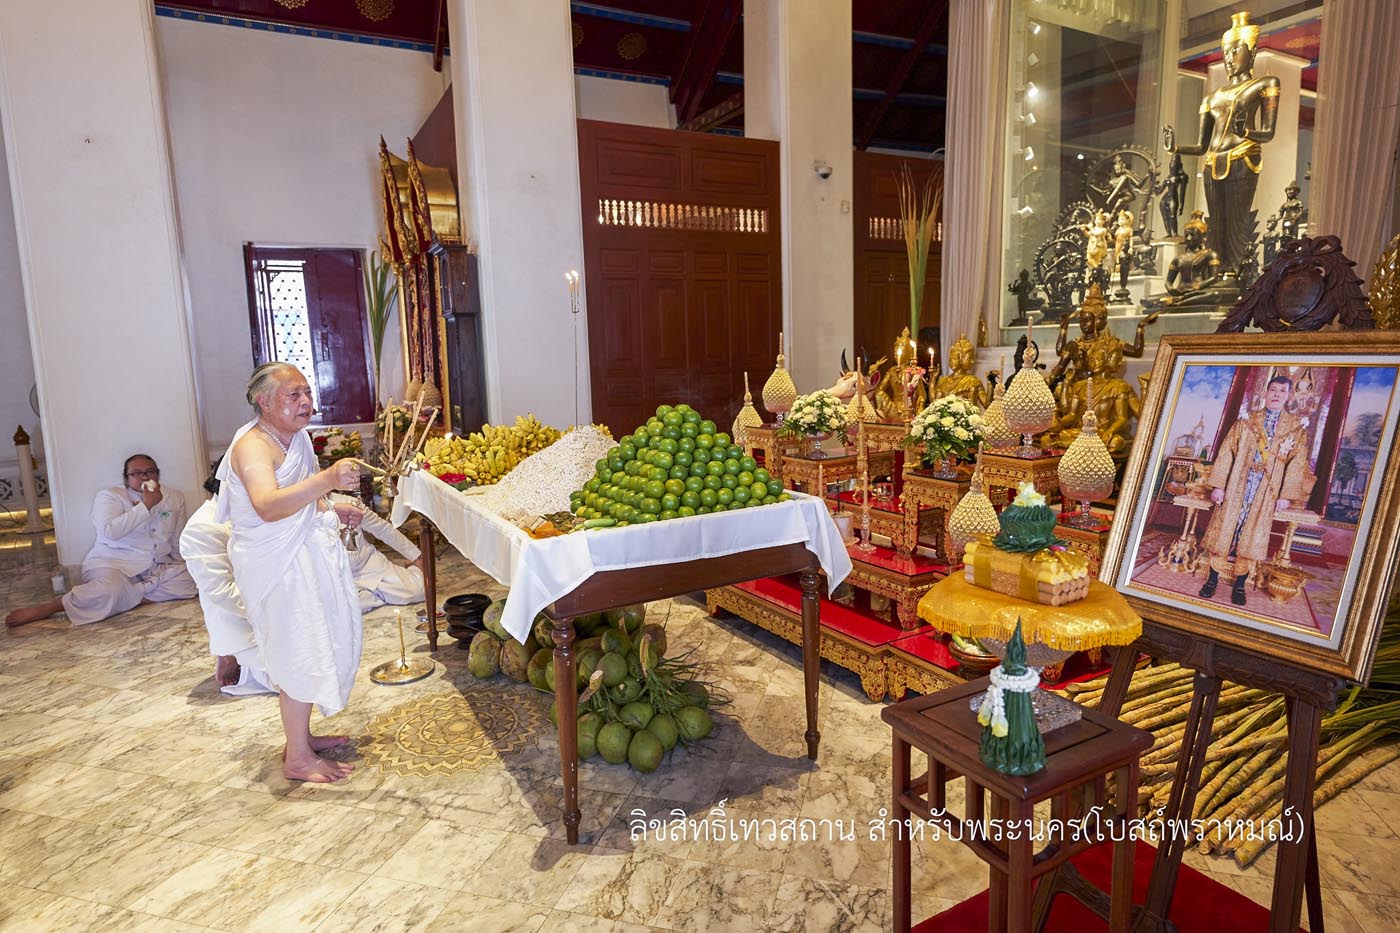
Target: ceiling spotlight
pixel 1032 60
pixel 1028 153
pixel 1079 156
pixel 1030 119
pixel 1025 212
pixel 1035 28
pixel 1031 90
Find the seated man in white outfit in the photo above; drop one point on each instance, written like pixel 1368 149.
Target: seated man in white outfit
pixel 136 558
pixel 379 581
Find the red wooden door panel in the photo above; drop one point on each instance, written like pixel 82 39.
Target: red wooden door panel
pixel 682 266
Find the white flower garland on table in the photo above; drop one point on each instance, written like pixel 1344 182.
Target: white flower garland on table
pixel 993 709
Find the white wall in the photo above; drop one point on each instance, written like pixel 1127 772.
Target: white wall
pixel 624 102
pixel 275 140
pixel 16 361
pixel 94 213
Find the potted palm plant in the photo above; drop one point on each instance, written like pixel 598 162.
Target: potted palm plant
pixel 380 295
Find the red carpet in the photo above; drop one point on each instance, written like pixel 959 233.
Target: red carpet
pixel 1201 903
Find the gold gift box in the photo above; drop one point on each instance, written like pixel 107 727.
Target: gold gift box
pixel 1052 577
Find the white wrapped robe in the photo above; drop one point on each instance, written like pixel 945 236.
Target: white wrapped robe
pixel 204 545
pixel 378 580
pixel 296 585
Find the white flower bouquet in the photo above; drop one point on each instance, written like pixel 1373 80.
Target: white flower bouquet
pixel 819 413
pixel 950 427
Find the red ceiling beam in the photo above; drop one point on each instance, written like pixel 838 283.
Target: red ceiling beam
pixel 937 12
pixel 720 113
pixel 709 37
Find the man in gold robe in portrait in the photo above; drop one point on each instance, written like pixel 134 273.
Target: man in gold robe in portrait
pixel 1260 468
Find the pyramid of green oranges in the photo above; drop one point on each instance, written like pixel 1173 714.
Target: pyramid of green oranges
pixel 674 466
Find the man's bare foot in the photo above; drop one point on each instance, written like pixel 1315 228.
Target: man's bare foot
pixel 26 614
pixel 323 743
pixel 226 670
pixel 315 770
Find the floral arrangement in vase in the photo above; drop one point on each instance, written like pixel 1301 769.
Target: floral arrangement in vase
pixel 818 415
pixel 950 428
pixel 334 444
pixel 402 416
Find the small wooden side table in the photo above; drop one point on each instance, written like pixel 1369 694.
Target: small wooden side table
pixel 1079 758
pixel 1007 471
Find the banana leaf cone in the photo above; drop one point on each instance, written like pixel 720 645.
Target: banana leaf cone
pixel 1022 750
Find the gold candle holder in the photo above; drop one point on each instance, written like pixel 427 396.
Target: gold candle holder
pixel 404 670
pixel 863 468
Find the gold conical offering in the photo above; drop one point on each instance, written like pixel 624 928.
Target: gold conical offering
pixel 1087 471
pixel 973 516
pixel 859 409
pixel 779 392
pixel 748 417
pixel 996 433
pixel 1029 405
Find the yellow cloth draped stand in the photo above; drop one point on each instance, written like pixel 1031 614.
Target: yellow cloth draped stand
pixel 1102 618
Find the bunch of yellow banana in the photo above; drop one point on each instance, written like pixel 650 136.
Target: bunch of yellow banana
pixel 487 455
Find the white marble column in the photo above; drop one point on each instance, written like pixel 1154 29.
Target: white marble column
pixel 89 170
pixel 517 158
pixel 797 90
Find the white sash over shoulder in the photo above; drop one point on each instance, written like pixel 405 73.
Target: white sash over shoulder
pixel 260 550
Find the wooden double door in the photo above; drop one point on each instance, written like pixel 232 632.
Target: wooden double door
pixel 683 265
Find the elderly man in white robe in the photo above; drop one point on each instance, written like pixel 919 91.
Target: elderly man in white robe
pixel 290 566
pixel 136 558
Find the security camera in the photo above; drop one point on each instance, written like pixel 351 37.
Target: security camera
pixel 823 169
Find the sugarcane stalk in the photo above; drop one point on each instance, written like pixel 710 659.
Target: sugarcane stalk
pixel 1151 717
pixel 1220 768
pixel 1134 707
pixel 1347 774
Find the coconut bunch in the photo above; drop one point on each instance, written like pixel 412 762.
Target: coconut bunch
pixel 635 705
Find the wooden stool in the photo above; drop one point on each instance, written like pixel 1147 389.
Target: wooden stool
pixel 1079 758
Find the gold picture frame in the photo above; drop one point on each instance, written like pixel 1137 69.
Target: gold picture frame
pixel 1316 589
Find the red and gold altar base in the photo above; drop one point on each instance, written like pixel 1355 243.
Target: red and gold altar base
pixel 1053 576
pixel 1101 618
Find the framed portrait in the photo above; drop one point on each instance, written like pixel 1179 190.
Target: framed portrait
pixel 1281 537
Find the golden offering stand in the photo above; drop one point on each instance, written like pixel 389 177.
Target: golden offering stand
pixel 762 443
pixel 931 494
pixel 814 474
pixel 403 670
pixel 1089 541
pixel 1006 470
pixel 1184 556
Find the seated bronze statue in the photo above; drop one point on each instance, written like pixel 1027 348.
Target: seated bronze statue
pixel 1114 402
pixel 1194 280
pixel 962 357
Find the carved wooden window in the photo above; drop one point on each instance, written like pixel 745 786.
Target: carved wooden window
pixel 892 228
pixel 306 307
pixel 661 215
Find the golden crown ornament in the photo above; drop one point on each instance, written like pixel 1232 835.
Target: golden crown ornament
pixel 1086 470
pixel 748 417
pixel 974 515
pixel 1028 406
pixel 779 392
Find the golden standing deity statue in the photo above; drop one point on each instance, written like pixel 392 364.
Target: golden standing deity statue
pixel 962 357
pixel 1236 120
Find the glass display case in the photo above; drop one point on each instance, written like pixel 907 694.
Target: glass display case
pixel 1097 192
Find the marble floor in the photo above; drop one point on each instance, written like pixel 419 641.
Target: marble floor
pixel 134 796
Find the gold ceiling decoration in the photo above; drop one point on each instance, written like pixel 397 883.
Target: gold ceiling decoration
pixel 578 34
pixel 293 4
pixel 375 10
pixel 632 46
pixel 452 732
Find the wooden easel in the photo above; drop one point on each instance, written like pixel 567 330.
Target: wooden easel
pixel 1307 694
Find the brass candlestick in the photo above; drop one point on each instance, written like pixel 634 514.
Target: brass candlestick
pixel 404 670
pixel 863 468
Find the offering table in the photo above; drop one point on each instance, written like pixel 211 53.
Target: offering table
pixel 592 571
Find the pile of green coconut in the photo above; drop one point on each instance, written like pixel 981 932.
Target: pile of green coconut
pixel 635 705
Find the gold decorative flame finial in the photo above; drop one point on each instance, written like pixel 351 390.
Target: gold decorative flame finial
pixel 1241 30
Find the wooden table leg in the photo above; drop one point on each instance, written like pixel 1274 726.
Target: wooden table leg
pixel 1018 878
pixel 811 654
pixel 1121 888
pixel 997 880
pixel 900 897
pixel 1291 869
pixel 429 548
pixel 566 699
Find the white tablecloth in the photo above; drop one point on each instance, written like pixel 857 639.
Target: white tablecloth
pixel 540 571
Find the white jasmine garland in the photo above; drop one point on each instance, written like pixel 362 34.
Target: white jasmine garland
pixel 992 712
